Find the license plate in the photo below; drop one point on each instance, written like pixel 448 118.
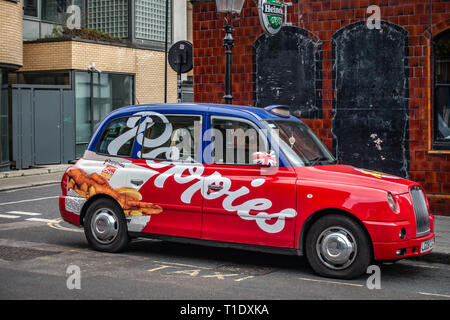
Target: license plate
pixel 427 246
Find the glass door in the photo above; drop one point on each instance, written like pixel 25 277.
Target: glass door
pixel 96 96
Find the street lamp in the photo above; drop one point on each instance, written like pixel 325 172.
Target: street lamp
pixel 228 7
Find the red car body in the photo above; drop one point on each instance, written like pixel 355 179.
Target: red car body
pixel 250 207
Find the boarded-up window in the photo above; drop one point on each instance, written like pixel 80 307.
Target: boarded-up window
pixel 370 106
pixel 287 70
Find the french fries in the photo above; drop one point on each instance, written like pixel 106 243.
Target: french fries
pixel 130 199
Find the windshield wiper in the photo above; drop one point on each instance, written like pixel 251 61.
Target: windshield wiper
pixel 320 160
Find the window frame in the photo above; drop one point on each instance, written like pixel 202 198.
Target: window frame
pixel 200 146
pixel 254 125
pixel 437 144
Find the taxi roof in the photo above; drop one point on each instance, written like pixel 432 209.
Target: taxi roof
pixel 221 109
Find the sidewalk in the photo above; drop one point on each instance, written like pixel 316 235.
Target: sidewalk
pixel 37 176
pixel 16 179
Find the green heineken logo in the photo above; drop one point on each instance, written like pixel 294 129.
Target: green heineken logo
pixel 271 15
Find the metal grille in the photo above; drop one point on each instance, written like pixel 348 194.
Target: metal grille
pixel 420 211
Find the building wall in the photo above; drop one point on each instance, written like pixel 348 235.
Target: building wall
pixel 11 32
pixel 147 65
pixel 323 19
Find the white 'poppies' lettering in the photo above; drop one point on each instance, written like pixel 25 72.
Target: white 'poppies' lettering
pixel 194 173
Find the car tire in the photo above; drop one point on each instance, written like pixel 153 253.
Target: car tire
pixel 338 247
pixel 105 226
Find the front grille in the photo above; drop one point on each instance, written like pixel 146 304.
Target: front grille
pixel 420 211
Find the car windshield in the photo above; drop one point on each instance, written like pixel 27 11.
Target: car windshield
pixel 298 143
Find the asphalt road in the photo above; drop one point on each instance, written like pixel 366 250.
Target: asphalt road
pixel 38 252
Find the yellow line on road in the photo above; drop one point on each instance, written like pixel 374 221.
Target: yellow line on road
pixel 333 282
pixel 55 224
pixel 181 265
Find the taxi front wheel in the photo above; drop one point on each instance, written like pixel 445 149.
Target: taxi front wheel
pixel 105 226
pixel 338 247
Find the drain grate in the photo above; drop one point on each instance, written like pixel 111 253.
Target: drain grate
pixel 19 253
pixel 251 270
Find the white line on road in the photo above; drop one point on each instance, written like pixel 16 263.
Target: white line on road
pixel 27 200
pixel 7 216
pixel 25 213
pixel 434 294
pixel 41 220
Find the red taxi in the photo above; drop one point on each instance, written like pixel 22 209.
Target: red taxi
pixel 242 177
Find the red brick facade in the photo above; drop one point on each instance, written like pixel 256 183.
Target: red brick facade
pixel 323 19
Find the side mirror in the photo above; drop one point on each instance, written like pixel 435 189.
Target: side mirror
pixel 265 159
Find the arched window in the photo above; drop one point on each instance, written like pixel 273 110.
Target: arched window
pixel 287 70
pixel 370 107
pixel 442 91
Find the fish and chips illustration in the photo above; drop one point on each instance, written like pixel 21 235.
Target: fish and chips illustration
pixel 130 199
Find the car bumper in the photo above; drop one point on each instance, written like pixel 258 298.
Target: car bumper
pixel 67 212
pixel 387 244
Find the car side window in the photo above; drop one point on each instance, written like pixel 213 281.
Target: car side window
pixel 118 137
pixel 235 141
pixel 172 138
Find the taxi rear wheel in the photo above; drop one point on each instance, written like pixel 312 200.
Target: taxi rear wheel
pixel 338 247
pixel 105 226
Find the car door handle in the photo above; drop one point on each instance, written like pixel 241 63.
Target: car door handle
pixel 137 182
pixel 214 187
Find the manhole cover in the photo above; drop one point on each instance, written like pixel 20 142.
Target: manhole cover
pixel 245 269
pixel 18 253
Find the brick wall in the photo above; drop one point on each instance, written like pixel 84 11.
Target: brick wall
pixel 11 32
pixel 147 65
pixel 323 19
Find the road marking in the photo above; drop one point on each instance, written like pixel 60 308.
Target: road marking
pixel 159 268
pixel 245 278
pixel 8 216
pixel 25 213
pixel 434 294
pixel 55 224
pixel 195 272
pixel 220 276
pixel 40 220
pixel 333 282
pixel 34 187
pixel 412 263
pixel 27 200
pixel 182 265
pixel 19 225
pixel 192 273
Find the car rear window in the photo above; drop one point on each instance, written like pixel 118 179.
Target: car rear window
pixel 118 137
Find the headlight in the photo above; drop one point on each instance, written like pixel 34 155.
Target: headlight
pixel 392 202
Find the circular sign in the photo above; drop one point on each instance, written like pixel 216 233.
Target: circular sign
pixel 271 15
pixel 180 56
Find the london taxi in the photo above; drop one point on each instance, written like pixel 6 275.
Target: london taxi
pixel 242 177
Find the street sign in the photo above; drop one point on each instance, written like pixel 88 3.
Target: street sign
pixel 180 60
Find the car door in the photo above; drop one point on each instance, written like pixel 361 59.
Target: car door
pixel 168 157
pixel 245 202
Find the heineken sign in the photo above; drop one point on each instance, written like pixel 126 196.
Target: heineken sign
pixel 271 15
